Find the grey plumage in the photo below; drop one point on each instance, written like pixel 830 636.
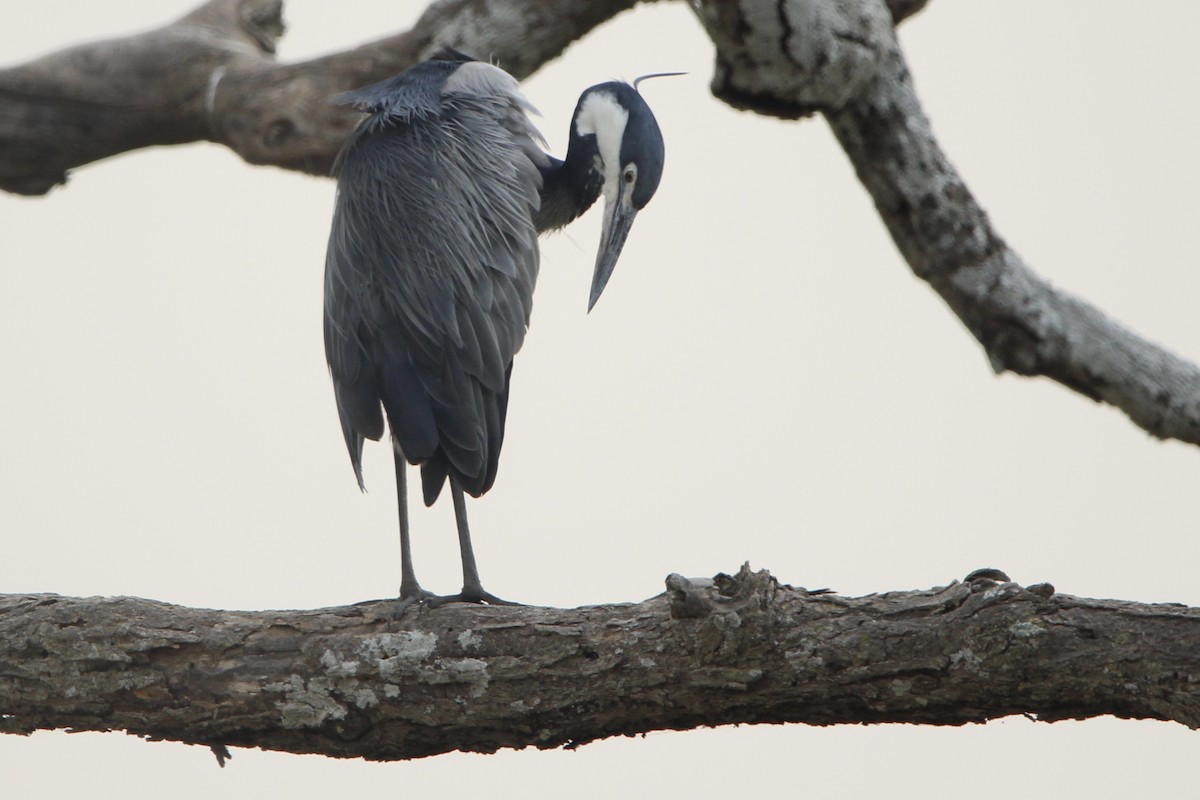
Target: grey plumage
pixel 426 317
pixel 433 257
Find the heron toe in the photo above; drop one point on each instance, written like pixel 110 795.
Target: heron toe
pixel 469 594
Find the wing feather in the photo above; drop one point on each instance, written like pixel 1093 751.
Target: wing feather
pixel 431 268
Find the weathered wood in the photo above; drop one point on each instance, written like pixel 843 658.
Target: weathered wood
pixel 738 649
pixel 1026 326
pixel 842 59
pixel 212 76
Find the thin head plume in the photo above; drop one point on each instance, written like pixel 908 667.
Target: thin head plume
pixel 655 75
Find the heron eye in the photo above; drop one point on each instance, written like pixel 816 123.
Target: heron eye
pixel 630 174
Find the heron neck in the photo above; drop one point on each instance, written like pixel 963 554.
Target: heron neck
pixel 570 186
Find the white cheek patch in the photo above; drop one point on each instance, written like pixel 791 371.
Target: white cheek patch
pixel 604 117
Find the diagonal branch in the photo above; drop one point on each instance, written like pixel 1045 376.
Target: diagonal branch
pixel 738 649
pixel 212 76
pixel 792 58
pixel 1025 325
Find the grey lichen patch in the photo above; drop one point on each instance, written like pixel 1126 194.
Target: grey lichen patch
pixel 337 666
pixel 469 640
pixel 1024 630
pixel 521 707
pixel 396 655
pixel 965 658
pixel 804 658
pixel 406 645
pixel 305 704
pixel 365 698
pixel 396 670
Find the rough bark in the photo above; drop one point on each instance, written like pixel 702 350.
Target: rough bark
pixel 353 681
pixel 841 58
pixel 212 76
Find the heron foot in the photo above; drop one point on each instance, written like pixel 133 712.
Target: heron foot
pixel 409 596
pixel 469 594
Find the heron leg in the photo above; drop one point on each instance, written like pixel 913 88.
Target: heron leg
pixel 472 591
pixel 410 590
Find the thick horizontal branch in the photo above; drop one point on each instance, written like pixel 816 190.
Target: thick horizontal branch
pixel 353 681
pixel 212 76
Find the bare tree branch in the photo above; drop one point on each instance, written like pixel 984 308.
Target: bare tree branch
pixel 842 58
pixel 351 682
pixel 1026 325
pixel 212 76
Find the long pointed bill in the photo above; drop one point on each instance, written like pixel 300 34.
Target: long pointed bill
pixel 618 219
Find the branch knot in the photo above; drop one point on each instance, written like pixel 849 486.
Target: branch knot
pixel 789 58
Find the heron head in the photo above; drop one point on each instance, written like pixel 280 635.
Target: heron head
pixel 629 160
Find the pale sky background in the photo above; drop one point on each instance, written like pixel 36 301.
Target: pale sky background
pixel 763 380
